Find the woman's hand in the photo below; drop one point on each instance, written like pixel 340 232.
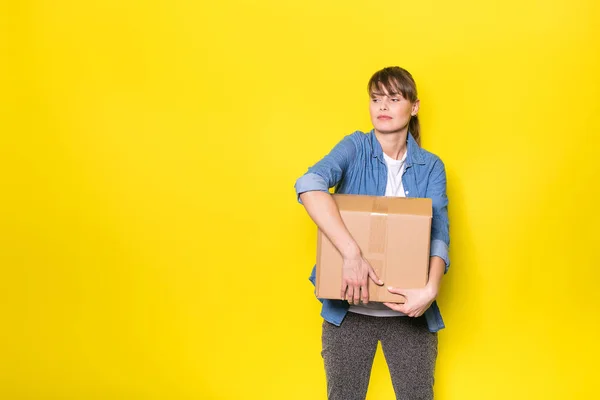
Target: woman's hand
pixel 356 272
pixel 417 300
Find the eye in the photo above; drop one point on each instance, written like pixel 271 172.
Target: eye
pixel 374 100
pixel 395 99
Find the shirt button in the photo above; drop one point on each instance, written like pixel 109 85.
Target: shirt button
pixel 407 192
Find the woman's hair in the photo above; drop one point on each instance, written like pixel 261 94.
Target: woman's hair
pixel 398 80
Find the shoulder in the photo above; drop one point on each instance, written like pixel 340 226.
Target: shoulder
pixel 433 168
pixel 358 137
pixel 430 159
pixel 363 141
pixel 355 142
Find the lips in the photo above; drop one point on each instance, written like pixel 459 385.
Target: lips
pixel 384 117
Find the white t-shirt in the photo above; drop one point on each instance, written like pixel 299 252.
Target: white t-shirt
pixel 393 188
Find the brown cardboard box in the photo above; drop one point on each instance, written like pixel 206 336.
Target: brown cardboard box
pixel 394 236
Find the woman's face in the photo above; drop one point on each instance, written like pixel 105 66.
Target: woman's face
pixel 391 112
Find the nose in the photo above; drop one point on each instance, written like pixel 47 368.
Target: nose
pixel 383 105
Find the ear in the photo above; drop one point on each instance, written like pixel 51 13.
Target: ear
pixel 415 107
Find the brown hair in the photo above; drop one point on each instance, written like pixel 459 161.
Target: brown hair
pixel 398 80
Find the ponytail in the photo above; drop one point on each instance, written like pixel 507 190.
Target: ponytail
pixel 415 129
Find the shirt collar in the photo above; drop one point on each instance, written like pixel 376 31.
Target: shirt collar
pixel 413 151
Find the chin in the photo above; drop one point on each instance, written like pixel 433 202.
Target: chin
pixel 387 129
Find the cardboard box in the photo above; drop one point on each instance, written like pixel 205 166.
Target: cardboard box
pixel 394 236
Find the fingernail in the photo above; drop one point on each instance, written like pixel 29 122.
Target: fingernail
pixel 390 288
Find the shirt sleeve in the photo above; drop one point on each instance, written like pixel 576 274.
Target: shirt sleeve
pixel 329 170
pixel 440 227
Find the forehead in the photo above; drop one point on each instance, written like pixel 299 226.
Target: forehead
pixel 385 89
pixel 385 93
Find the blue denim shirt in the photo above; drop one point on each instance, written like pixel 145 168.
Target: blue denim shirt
pixel 356 166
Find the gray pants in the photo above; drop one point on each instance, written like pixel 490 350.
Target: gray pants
pixel 348 350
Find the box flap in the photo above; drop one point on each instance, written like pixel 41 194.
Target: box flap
pixel 384 205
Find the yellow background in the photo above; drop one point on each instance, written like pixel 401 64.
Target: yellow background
pixel 151 245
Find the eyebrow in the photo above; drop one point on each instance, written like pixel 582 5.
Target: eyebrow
pixel 383 94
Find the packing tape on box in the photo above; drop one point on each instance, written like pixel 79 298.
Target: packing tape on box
pixel 378 227
pixel 378 237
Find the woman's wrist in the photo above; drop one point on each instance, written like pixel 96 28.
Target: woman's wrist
pixel 432 289
pixel 351 251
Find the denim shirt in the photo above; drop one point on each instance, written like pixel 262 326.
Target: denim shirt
pixel 356 166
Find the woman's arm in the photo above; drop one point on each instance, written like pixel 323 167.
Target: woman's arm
pixel 313 192
pixel 440 227
pixel 419 300
pixel 356 269
pixel 324 212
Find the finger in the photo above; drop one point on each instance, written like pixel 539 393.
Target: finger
pixel 412 312
pixel 349 293
pixel 357 294
pixel 399 292
pixel 343 290
pixel 394 306
pixel 400 307
pixel 364 292
pixel 394 290
pixel 374 276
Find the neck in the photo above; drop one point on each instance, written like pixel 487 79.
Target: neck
pixel 393 144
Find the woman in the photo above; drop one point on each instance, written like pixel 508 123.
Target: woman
pixel 387 161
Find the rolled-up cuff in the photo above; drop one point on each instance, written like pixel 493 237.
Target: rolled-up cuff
pixel 440 248
pixel 310 182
